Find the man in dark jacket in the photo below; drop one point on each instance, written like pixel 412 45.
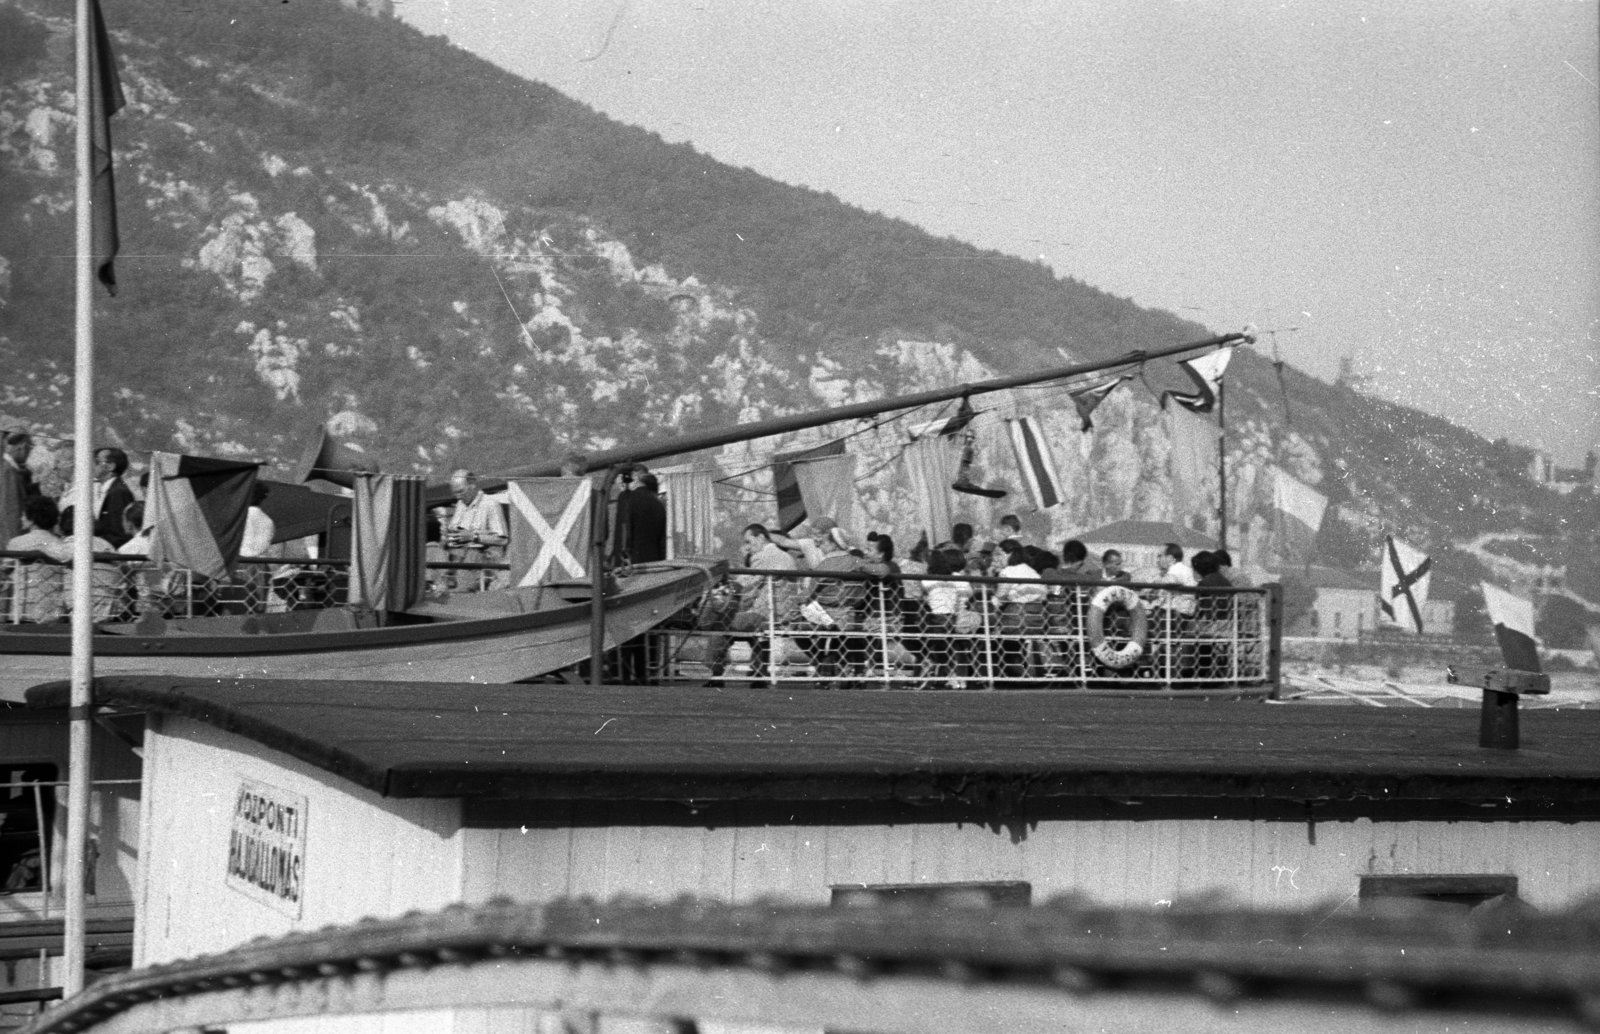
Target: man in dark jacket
pixel 642 519
pixel 111 495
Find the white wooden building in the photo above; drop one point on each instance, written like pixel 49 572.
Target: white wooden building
pixel 274 806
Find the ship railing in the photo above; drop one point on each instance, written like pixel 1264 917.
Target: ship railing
pixel 36 589
pixel 854 630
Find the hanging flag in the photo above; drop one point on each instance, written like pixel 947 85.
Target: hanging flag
pixel 1088 399
pixel 691 510
pixel 1206 373
pixel 549 529
pixel 198 507
pixel 791 507
pixel 931 465
pixel 1034 461
pixel 828 487
pixel 388 556
pixel 1403 589
pixel 1300 508
pixel 105 100
pixel 1192 467
pixel 1512 618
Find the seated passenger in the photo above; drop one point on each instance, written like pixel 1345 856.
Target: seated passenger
pixel 39 588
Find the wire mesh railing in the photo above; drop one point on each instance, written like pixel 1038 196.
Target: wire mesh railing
pixel 851 630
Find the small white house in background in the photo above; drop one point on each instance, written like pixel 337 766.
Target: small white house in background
pixel 271 806
pixel 1346 606
pixel 1140 542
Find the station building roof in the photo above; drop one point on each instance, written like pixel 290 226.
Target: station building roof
pixel 640 743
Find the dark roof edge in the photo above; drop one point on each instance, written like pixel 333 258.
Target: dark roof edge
pixel 171 699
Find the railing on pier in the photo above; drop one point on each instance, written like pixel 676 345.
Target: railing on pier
pixel 840 630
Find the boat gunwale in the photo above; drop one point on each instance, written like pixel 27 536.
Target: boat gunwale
pixel 107 644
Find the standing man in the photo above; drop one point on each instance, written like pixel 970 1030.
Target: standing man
pixel 16 482
pixel 643 521
pixel 475 533
pixel 111 496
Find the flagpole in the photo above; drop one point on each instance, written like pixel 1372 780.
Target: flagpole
pixel 1222 464
pixel 78 765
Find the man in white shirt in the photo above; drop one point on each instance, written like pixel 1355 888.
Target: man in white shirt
pixel 1175 572
pixel 1177 624
pixel 475 533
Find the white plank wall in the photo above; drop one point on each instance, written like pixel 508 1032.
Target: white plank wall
pixel 364 855
pixel 1112 863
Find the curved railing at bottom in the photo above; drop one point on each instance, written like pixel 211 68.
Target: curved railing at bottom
pixel 892 968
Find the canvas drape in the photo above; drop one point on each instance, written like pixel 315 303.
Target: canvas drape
pixel 828 488
pixel 691 511
pixel 388 565
pixel 931 464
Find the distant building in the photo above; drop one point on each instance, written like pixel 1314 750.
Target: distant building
pixel 1140 542
pixel 1543 471
pixel 376 8
pixel 1346 607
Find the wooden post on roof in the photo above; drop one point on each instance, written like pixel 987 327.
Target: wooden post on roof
pixel 1498 726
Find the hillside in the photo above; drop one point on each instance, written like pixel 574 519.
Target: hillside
pixel 327 216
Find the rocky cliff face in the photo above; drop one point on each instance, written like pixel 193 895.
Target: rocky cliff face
pixel 446 308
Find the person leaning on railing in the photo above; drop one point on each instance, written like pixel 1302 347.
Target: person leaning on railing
pixel 39 587
pixel 1173 612
pixel 948 655
pixel 753 604
pixel 106 580
pixel 1021 608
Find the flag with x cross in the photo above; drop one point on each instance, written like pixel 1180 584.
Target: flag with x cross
pixel 1403 587
pixel 549 529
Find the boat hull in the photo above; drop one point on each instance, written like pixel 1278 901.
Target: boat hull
pixel 484 640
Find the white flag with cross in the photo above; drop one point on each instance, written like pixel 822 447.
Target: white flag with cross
pixel 549 529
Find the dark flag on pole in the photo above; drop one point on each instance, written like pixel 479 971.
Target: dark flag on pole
pixel 105 100
pixel 1087 400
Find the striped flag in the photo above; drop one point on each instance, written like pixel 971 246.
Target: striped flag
pixel 1403 588
pixel 1034 461
pixel 1087 400
pixel 549 529
pixel 388 556
pixel 1512 618
pixel 197 506
pixel 1206 373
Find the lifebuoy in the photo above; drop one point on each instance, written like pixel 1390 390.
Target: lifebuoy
pixel 1116 656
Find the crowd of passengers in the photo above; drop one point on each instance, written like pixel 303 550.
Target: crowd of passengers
pixel 935 611
pixel 35 590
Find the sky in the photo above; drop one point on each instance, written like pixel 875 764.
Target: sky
pixel 1413 184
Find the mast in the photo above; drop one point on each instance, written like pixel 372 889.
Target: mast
pixel 859 410
pixel 78 764
pixel 1222 464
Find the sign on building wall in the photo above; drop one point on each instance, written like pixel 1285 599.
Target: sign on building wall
pixel 267 846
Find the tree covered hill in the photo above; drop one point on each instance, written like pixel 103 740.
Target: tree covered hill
pixel 329 216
